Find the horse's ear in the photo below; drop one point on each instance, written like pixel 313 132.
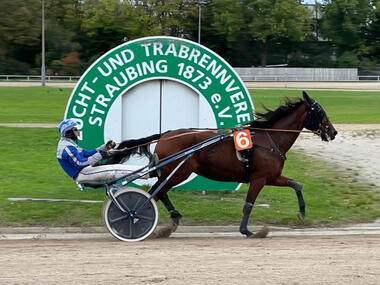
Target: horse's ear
pixel 308 100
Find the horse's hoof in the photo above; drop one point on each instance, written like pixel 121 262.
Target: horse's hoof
pixel 174 227
pixel 261 233
pixel 301 216
pixel 246 232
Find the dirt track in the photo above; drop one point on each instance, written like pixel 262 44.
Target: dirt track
pixel 277 260
pixel 342 259
pixel 354 151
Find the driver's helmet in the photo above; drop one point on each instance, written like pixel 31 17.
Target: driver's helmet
pixel 65 126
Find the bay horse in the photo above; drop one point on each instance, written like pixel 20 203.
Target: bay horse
pixel 266 161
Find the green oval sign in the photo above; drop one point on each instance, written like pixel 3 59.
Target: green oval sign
pixel 154 58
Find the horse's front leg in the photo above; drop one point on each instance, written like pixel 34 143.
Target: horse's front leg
pixel 284 181
pixel 254 189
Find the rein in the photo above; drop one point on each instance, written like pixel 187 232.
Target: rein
pixel 162 139
pixel 215 130
pixel 257 129
pixel 283 130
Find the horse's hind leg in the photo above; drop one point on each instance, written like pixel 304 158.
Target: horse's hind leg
pixel 174 214
pixel 162 195
pixel 284 181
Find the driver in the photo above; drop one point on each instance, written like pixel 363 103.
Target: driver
pixel 79 163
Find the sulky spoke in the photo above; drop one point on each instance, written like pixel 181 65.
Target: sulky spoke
pixel 125 207
pixel 137 203
pixel 145 218
pixel 130 229
pixel 112 221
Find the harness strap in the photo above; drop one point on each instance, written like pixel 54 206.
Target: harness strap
pixel 247 165
pixel 274 147
pixel 246 159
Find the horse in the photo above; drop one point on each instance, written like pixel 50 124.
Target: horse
pixel 273 133
pixel 265 162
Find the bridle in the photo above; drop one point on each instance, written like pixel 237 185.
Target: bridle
pixel 314 118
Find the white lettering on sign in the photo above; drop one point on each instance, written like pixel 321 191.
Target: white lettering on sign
pixel 112 63
pixel 85 87
pixel 171 50
pixel 189 72
pixel 229 88
pixel 194 65
pixel 222 114
pixel 111 89
pixel 216 98
pixel 83 100
pixel 79 114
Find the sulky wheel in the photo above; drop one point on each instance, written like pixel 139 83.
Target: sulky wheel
pixel 132 225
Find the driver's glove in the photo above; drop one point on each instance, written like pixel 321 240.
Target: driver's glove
pixel 110 144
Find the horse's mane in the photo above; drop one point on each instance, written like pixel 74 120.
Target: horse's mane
pixel 268 118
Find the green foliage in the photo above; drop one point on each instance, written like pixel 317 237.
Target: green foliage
pixel 20 25
pixel 348 59
pixel 372 33
pixel 18 22
pixel 278 18
pixel 342 22
pixel 268 19
pixel 227 19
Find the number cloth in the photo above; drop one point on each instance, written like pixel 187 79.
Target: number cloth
pixel 242 140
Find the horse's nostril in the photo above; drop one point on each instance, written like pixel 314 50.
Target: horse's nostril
pixel 335 133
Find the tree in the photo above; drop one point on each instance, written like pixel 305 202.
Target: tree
pixel 70 64
pixel 343 22
pixel 227 18
pixel 372 34
pixel 20 23
pixel 272 19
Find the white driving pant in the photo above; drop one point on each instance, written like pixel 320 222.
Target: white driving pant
pixel 105 173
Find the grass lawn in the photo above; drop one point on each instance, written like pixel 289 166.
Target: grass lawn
pixel 33 104
pixel 29 169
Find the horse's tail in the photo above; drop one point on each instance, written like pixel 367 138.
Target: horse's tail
pixel 133 147
pixel 138 142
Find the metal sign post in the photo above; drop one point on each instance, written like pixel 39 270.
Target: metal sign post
pixel 43 46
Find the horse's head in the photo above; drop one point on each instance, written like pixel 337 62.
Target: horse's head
pixel 317 120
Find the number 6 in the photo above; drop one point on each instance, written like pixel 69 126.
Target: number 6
pixel 242 140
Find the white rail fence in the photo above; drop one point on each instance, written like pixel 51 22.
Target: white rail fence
pixel 244 77
pixel 297 74
pixel 274 78
pixel 9 77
